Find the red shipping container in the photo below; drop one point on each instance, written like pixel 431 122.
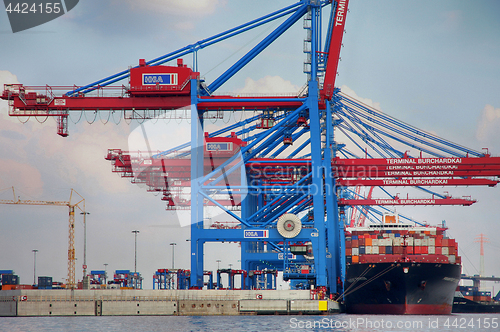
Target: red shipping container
pixel 355 243
pixel 409 250
pixel 373 236
pixel 24 287
pixel 439 241
pixel 438 250
pixel 381 250
pixel 445 243
pixel 417 250
pixel 397 250
pixel 348 244
pixel 361 242
pixel 348 252
pixel 424 249
pixel 451 242
pixel 452 251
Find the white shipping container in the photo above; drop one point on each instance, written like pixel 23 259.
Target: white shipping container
pixel 375 250
pixel 431 250
pixel 418 242
pixel 391 235
pixel 432 241
pixel 355 251
pixel 452 259
pixel 374 242
pixel 433 232
pixel 409 241
pixel 425 242
pixel 444 251
pixel 368 249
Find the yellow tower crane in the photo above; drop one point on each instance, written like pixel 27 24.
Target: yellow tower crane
pixel 71 235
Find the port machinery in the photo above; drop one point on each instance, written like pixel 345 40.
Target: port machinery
pixel 284 174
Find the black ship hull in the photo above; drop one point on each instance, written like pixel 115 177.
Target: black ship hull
pixel 401 288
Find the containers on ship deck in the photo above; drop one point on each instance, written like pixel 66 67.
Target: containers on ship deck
pixel 423 245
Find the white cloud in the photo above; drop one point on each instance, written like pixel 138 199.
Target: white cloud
pixel 348 91
pixel 488 125
pixel 268 84
pixel 26 176
pixel 177 7
pixel 6 77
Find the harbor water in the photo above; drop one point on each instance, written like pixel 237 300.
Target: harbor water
pixel 340 322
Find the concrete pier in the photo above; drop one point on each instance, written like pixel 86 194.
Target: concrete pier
pixel 111 302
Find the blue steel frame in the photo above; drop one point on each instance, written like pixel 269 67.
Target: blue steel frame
pixel 256 212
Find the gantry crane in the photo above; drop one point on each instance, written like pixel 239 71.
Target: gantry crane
pixel 71 233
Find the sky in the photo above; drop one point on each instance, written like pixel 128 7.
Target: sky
pixel 435 65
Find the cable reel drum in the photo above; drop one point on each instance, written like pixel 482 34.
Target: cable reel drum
pixel 289 225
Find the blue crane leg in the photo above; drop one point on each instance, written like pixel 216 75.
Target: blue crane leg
pixel 196 197
pixel 335 246
pixel 317 188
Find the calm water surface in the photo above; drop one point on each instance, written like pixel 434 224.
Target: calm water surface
pixel 342 322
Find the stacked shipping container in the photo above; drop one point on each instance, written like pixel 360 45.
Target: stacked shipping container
pixel 415 244
pixel 474 294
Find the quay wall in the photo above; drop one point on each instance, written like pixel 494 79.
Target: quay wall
pixel 116 302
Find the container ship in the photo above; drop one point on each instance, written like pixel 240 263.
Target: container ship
pixel 469 299
pixel 400 268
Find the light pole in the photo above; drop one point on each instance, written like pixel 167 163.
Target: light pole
pixel 34 265
pixel 218 262
pixel 173 250
pixel 84 243
pixel 135 261
pixel 105 272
